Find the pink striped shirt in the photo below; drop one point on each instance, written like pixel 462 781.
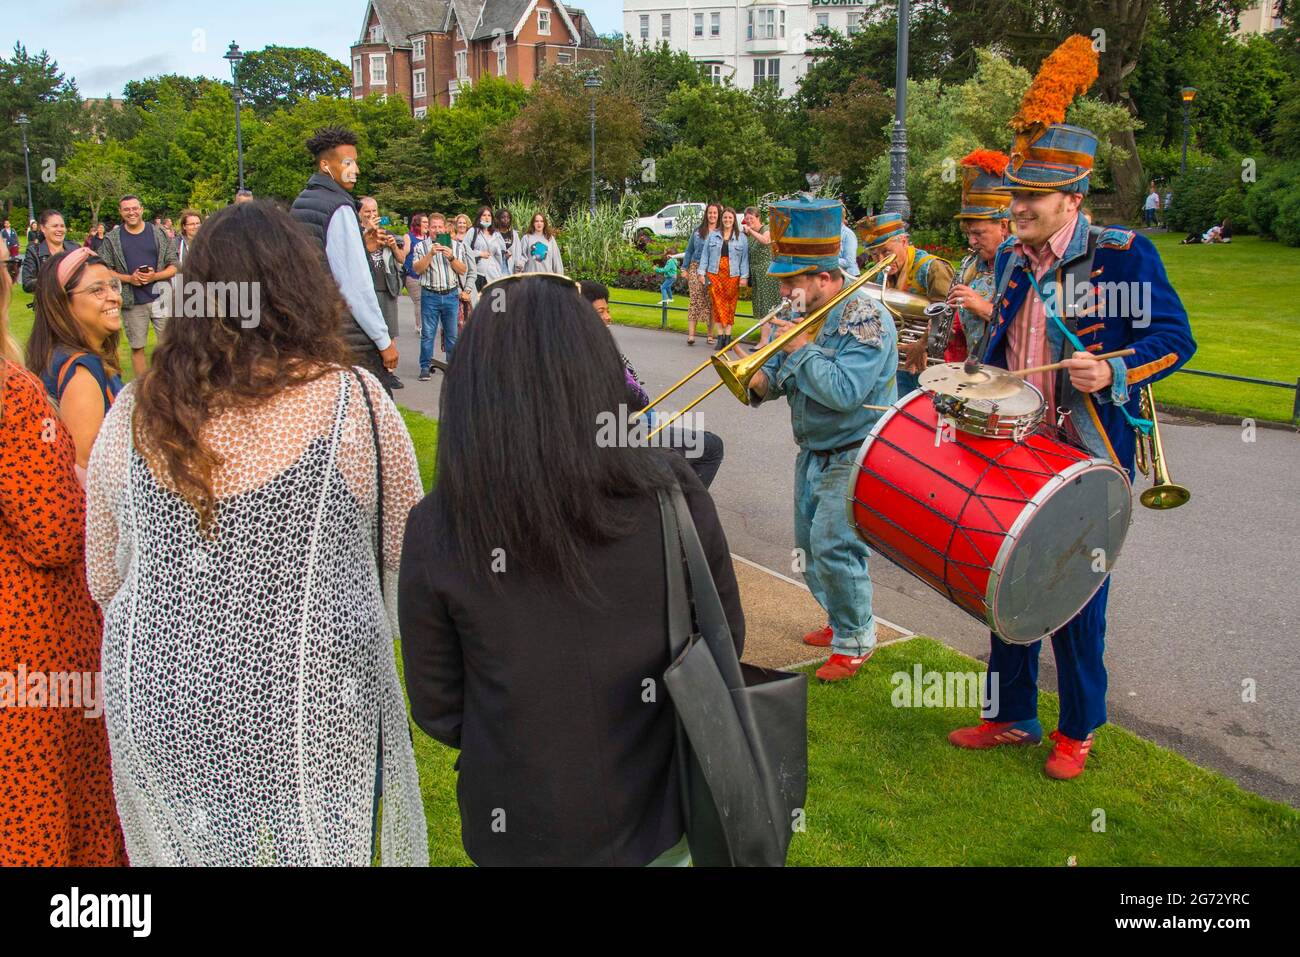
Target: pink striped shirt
pixel 1027 343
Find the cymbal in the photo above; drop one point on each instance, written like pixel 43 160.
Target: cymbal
pixel 986 382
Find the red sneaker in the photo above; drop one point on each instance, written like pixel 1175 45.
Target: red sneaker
pixel 1068 757
pixel 842 666
pixel 990 734
pixel 821 638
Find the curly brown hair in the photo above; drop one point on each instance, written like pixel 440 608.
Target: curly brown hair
pixel 210 363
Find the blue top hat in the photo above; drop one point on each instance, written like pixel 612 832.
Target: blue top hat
pixel 805 235
pixel 1055 158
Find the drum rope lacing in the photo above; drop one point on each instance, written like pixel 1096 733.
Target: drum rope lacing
pixel 983 499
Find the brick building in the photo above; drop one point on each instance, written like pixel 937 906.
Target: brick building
pixel 426 50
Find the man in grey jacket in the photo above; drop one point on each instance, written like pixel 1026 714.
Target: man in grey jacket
pixel 328 211
pixel 140 255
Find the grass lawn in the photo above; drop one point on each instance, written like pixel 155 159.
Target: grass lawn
pixel 1243 317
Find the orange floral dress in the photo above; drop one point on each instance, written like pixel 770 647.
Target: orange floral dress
pixel 56 792
pixel 724 291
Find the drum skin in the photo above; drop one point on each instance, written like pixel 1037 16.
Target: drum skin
pixel 1019 535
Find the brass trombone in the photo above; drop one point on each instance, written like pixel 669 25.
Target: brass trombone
pixel 1150 457
pixel 736 374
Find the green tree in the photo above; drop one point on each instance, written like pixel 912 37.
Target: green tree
pixel 95 174
pixel 452 143
pixel 850 132
pixel 35 85
pixel 545 150
pixel 722 150
pixel 160 167
pixel 278 76
pixel 646 74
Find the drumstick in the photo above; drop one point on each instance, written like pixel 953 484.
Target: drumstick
pixel 1060 365
pixel 878 408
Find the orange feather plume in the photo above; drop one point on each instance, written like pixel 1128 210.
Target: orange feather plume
pixel 1066 73
pixel 990 161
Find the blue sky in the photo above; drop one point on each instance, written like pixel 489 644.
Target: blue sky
pixel 104 43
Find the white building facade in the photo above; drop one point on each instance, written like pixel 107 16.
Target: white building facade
pixel 747 41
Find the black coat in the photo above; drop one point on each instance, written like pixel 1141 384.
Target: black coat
pixel 563 761
pixel 36 256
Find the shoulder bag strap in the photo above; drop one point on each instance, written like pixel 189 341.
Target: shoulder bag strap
pixel 379 480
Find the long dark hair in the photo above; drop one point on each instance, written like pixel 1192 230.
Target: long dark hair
pixel 54 323
pixel 477 225
pixel 520 466
pixel 206 364
pixel 704 219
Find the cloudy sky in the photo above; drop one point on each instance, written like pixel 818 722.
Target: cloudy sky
pixel 104 43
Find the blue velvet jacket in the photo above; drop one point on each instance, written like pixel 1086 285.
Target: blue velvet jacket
pixel 1145 314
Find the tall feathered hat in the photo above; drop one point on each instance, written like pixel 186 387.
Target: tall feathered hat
pixel 982 196
pixel 1047 155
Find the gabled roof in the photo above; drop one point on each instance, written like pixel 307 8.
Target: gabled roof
pixel 403 18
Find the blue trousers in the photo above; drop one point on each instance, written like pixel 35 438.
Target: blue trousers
pixel 1081 674
pixel 437 308
pixel 666 287
pixel 907 382
pixel 835 556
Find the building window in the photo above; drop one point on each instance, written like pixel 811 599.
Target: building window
pixel 767 71
pixel 417 83
pixel 377 33
pixel 699 24
pixel 715 24
pixel 715 73
pixel 501 59
pixel 782 24
pixel 823 20
pixel 462 63
pixel 417 51
pixel 564 58
pixel 645 26
pixel 855 23
pixel 544 22
pixel 378 68
pixel 762 24
pixel 421 112
pixel 666 25
pixel 357 79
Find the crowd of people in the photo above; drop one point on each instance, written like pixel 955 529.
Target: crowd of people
pixel 256 534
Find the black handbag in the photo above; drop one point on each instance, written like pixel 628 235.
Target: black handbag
pixel 742 730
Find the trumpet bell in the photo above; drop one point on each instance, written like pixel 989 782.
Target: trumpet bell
pixel 1165 496
pixel 735 375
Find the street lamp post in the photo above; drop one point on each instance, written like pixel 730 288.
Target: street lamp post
pixel 592 83
pixel 23 122
pixel 896 201
pixel 234 56
pixel 1189 94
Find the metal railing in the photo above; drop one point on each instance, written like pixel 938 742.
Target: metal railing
pixel 665 308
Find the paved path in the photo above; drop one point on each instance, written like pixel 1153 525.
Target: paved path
pixel 1204 598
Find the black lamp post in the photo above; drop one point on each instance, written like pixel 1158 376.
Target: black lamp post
pixel 234 56
pixel 1189 94
pixel 23 122
pixel 592 83
pixel 896 201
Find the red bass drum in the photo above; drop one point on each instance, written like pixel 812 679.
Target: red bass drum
pixel 1019 534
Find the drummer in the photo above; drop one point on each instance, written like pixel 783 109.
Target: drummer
pixel 913 270
pixel 1096 401
pixel 985 219
pixel 827 380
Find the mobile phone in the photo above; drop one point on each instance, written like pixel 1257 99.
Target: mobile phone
pixel 444 239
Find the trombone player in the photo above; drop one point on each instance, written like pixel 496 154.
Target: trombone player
pixel 826 380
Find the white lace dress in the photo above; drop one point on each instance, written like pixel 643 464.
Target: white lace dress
pixel 249 677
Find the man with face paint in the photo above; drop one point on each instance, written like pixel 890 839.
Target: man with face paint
pixel 329 212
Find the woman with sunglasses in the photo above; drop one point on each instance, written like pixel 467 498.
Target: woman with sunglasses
pixel 532 606
pixel 56 802
pixel 73 345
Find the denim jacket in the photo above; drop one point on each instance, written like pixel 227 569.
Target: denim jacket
pixel 737 254
pixel 852 362
pixel 694 247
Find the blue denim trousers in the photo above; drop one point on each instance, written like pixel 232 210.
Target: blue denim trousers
pixel 835 556
pixel 437 308
pixel 907 382
pixel 666 287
